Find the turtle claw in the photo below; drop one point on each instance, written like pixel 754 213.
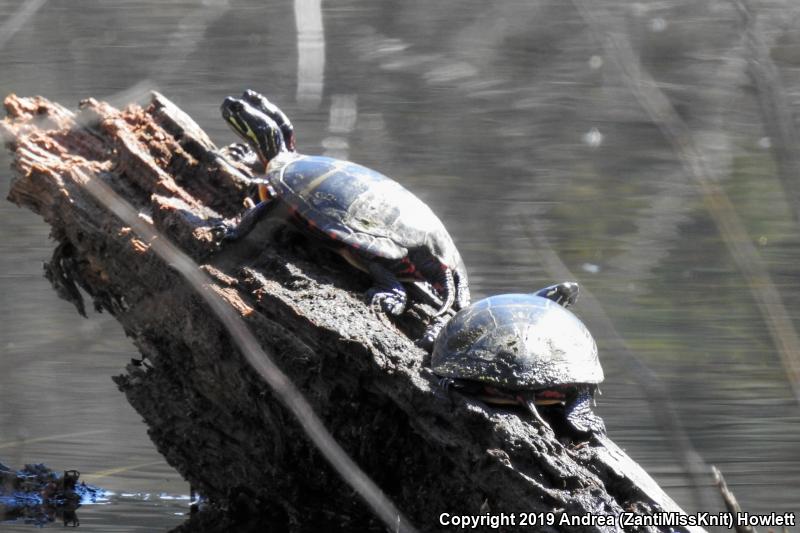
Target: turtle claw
pixel 241 153
pixel 388 293
pixel 392 302
pixel 431 332
pixel 224 232
pixel 446 383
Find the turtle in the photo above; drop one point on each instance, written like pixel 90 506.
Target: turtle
pixel 524 349
pixel 375 223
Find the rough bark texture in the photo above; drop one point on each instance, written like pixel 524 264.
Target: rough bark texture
pixel 211 416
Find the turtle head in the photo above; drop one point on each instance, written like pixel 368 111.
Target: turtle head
pixel 256 128
pixel 260 102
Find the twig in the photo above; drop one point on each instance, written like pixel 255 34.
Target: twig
pixel 730 501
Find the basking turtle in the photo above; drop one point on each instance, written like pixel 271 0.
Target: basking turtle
pixel 524 349
pixel 372 221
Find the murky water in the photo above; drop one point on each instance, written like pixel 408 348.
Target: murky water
pixel 518 128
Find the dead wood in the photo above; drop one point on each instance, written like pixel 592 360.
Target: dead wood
pixel 210 414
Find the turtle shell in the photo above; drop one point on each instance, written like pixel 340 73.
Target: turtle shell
pixel 362 208
pixel 517 342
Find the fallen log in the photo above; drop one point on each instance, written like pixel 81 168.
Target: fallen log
pixel 211 415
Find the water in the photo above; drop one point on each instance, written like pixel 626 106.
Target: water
pixel 514 124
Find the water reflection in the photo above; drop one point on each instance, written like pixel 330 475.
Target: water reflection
pixel 503 117
pixel 310 51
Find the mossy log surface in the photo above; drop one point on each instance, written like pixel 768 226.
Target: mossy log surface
pixel 211 416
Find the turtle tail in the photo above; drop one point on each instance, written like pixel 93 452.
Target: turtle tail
pixel 448 291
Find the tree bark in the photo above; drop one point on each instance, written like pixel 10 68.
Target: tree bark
pixel 211 415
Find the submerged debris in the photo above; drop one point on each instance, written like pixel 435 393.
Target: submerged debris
pixel 38 495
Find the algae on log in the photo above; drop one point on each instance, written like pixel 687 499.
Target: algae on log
pixel 210 414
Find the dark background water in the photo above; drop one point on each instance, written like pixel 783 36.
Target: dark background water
pixel 523 133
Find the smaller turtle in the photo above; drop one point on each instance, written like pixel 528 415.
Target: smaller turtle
pixel 376 224
pixel 524 349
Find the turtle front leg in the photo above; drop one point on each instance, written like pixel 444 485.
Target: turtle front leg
pixel 564 294
pixel 580 416
pixel 248 221
pixel 243 154
pixel 388 294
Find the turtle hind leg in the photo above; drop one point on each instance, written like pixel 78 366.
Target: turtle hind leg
pixel 564 294
pixel 456 296
pixel 388 294
pixel 580 416
pixel 448 291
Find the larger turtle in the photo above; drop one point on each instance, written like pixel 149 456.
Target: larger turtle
pixel 375 223
pixel 524 349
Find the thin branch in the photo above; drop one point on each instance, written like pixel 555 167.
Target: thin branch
pixel 730 501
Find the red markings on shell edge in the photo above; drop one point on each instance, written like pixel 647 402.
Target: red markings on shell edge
pixel 550 394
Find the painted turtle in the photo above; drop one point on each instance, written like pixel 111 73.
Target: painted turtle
pixel 524 349
pixel 372 221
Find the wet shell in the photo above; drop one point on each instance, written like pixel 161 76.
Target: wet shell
pixel 518 342
pixel 363 209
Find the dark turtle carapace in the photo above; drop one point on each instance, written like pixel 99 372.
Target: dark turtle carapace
pixel 372 221
pixel 524 349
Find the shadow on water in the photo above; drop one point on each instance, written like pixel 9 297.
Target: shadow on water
pixel 496 114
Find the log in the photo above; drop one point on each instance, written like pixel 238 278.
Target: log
pixel 212 416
